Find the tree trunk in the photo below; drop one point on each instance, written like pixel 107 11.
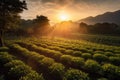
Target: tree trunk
pixel 1 38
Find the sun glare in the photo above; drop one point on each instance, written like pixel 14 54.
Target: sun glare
pixel 63 17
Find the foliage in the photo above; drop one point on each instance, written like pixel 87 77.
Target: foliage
pixel 114 60
pixel 99 28
pixel 32 76
pixel 16 70
pixel 100 57
pixel 92 66
pixel 57 70
pixel 66 59
pixel 73 74
pixel 112 72
pixel 54 57
pixel 86 55
pixel 4 49
pixel 9 16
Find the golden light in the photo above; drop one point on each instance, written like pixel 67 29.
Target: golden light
pixel 63 16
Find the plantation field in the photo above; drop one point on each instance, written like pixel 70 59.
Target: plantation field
pixel 58 59
pixel 101 39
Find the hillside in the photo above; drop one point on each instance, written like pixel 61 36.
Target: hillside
pixel 110 17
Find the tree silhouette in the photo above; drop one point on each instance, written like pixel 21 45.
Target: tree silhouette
pixel 9 15
pixel 41 25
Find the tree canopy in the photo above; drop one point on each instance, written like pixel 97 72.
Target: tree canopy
pixel 9 14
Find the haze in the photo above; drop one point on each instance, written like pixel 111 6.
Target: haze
pixel 76 9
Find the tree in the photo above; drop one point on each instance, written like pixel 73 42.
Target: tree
pixel 83 27
pixel 41 25
pixel 9 15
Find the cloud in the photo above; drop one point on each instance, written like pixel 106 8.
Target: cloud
pixel 76 8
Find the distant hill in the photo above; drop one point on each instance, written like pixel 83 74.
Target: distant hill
pixel 110 17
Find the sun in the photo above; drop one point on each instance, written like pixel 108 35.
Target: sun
pixel 63 17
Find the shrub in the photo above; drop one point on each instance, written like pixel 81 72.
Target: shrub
pixel 4 58
pixel 98 52
pixel 109 54
pixel 114 60
pixel 57 71
pixel 18 71
pixel 4 49
pixel 62 50
pixel 117 55
pixel 77 53
pixel 86 55
pixel 77 62
pixel 13 63
pixel 100 57
pixel 90 51
pixel 117 51
pixel 46 62
pixel 74 74
pixel 83 50
pixel 32 76
pixel 66 59
pixel 37 56
pixel 92 66
pixel 112 72
pixel 102 79
pixel 57 55
pixel 70 52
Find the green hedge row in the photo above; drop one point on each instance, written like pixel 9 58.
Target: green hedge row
pixel 55 70
pixel 13 69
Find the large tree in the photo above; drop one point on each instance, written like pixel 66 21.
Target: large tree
pixel 41 25
pixel 9 14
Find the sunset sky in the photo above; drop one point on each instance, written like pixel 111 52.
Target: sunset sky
pixel 71 9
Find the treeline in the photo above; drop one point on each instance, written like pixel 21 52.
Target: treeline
pixel 36 27
pixel 100 28
pixel 40 26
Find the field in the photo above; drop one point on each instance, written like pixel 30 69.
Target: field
pixel 58 59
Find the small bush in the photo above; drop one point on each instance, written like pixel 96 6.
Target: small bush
pixel 92 66
pixel 32 76
pixel 109 54
pixel 4 49
pixel 57 55
pixel 4 58
pixel 18 71
pixel 114 60
pixel 74 74
pixel 57 71
pixel 86 55
pixel 13 63
pixel 100 57
pixel 102 79
pixel 70 52
pixel 112 72
pixel 98 52
pixel 77 62
pixel 46 62
pixel 117 51
pixel 83 50
pixel 66 59
pixel 62 50
pixel 77 53
pixel 117 55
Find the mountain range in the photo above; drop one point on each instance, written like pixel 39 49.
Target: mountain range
pixel 110 17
